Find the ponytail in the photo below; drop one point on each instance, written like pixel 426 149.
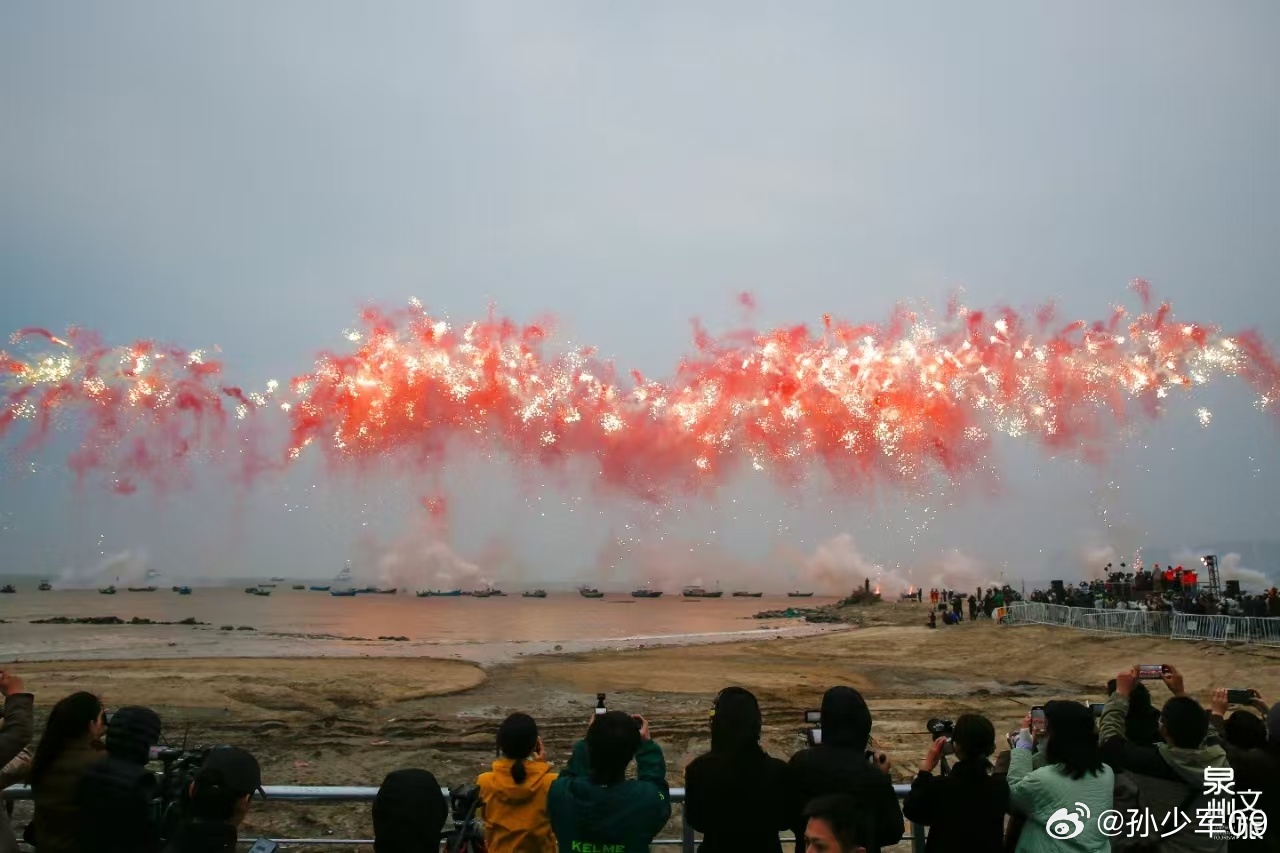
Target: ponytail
pixel 517 739
pixel 517 771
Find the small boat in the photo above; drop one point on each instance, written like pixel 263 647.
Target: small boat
pixel 699 592
pixel 299 586
pixel 262 592
pixel 481 593
pixel 744 594
pixel 377 591
pixel 183 590
pixel 142 588
pixel 266 586
pixel 320 588
pixel 799 595
pixel 537 593
pixel 496 593
pixel 343 593
pixel 176 588
pixel 646 593
pixel 590 592
pixel 278 580
pixel 45 586
pixel 8 589
pixel 108 590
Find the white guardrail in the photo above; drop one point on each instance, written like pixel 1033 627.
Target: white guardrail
pixel 1148 623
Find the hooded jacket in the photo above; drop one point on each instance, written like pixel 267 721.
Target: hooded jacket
pixel 839 765
pixel 1167 777
pixel 409 812
pixel 15 734
pixel 117 792
pixel 739 802
pixel 619 818
pixel 515 814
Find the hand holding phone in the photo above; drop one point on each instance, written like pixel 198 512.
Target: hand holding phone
pixel 1240 696
pixel 263 845
pixel 1037 719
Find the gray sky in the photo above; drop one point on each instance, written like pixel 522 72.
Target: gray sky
pixel 250 177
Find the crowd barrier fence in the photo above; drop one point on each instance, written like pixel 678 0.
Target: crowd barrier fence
pixel 355 794
pixel 1148 623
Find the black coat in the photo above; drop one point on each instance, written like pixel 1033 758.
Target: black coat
pixel 204 837
pixel 739 803
pixel 116 808
pixel 963 810
pixel 826 769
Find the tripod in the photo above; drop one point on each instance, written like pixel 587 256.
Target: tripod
pixel 467 835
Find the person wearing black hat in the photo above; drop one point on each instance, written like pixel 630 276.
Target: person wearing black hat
pixel 840 764
pixel 117 792
pixel 408 813
pixel 219 802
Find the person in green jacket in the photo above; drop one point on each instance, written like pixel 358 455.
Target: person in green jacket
pixel 1073 776
pixel 593 807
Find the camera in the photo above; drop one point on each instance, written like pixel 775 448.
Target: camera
pixel 468 830
pixel 180 769
pixel 939 727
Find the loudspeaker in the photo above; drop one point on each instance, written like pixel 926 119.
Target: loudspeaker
pixel 1233 589
pixel 1057 587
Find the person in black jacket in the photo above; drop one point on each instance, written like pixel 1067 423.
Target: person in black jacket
pixel 220 796
pixel 737 795
pixel 840 764
pixel 409 813
pixel 965 809
pixel 117 792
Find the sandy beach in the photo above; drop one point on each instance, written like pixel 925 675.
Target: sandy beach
pixel 339 720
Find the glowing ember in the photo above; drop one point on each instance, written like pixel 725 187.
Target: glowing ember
pixel 893 403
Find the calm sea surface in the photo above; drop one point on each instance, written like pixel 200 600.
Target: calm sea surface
pixel 304 623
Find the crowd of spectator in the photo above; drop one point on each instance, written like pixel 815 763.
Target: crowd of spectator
pixel 1169 590
pixel 93 791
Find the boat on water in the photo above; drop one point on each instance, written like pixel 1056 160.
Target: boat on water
pixel 324 588
pixel 142 588
pixel 343 593
pixel 536 593
pixel 646 593
pixel 108 590
pixel 448 593
pixel 45 586
pixel 742 593
pixel 481 593
pixel 183 590
pixel 8 589
pixel 266 586
pixel 376 591
pixel 496 593
pixel 299 586
pixel 590 592
pixel 263 592
pixel 699 592
pixel 278 580
pixel 799 595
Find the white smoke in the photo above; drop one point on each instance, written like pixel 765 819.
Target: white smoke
pixel 420 560
pixel 838 567
pixel 128 568
pixel 1229 567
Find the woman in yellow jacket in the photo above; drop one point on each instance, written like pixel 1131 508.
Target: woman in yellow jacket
pixel 515 791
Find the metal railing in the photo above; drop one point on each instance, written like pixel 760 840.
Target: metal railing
pixel 1148 623
pixel 355 794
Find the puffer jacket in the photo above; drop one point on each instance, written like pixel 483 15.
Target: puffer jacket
pixel 515 814
pixel 15 734
pixel 1168 777
pixel 1041 794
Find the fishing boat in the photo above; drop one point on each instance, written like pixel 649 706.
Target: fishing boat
pixel 699 592
pixel 176 587
pixel 8 589
pixel 590 592
pixel 184 590
pixel 250 589
pixel 278 580
pixel 646 593
pixel 799 595
pixel 45 586
pixel 142 588
pixel 299 586
pixel 742 593
pixel 262 592
pixel 108 590
pixel 343 593
pixel 496 593
pixel 376 591
pixel 537 593
pixel 266 586
pixel 482 593
pixel 324 588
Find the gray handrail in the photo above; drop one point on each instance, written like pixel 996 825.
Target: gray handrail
pixel 364 793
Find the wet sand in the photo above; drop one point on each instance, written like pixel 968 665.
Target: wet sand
pixel 350 721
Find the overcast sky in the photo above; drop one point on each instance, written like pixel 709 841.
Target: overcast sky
pixel 249 176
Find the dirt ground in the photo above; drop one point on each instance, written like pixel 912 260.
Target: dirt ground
pixel 344 721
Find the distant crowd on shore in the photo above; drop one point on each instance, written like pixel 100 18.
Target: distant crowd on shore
pixel 94 793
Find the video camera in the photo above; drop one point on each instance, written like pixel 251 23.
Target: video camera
pixel 180 769
pixel 468 829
